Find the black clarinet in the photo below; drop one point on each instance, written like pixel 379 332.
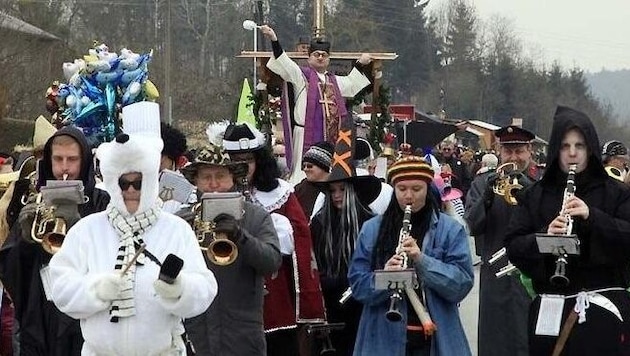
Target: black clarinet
pixel 394 314
pixel 559 277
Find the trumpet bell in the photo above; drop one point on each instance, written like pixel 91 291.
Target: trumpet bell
pixel 53 234
pixel 221 251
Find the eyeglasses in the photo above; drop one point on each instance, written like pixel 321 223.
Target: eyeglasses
pixel 317 54
pixel 125 184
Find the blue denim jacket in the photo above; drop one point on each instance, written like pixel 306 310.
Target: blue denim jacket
pixel 446 272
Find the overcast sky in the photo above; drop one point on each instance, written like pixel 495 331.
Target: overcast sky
pixel 589 34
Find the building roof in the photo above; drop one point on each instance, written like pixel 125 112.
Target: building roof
pixel 13 23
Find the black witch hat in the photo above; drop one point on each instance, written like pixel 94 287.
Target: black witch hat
pixel 367 187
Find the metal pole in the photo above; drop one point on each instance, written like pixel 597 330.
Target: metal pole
pixel 255 60
pixel 167 66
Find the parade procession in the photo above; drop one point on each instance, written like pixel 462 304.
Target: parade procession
pixel 387 186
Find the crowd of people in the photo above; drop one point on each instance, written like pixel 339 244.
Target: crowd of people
pixel 298 248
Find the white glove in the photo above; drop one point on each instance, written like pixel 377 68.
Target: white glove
pixel 108 287
pixel 168 291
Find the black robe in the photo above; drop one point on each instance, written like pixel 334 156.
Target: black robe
pixel 43 329
pixel 503 302
pixel 333 286
pixel 604 236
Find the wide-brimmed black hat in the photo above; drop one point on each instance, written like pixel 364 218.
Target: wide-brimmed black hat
pixel 366 187
pixel 212 155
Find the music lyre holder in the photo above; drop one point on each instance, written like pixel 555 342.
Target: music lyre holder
pixel 393 280
pixel 561 246
pixel 396 282
pixel 322 332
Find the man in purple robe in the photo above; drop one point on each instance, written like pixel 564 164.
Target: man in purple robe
pixel 318 97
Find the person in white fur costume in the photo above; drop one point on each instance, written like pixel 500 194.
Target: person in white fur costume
pixel 134 313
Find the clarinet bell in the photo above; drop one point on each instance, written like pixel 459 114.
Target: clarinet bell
pixel 327 347
pixel 394 314
pixel 559 277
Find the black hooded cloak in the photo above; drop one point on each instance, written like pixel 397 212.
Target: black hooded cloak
pixel 44 330
pixel 604 236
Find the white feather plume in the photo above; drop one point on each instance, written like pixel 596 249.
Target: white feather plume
pixel 260 137
pixel 215 132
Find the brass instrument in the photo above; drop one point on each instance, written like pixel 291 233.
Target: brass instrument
pixel 220 250
pixel 506 185
pixel 47 230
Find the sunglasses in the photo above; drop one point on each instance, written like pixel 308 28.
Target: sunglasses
pixel 125 184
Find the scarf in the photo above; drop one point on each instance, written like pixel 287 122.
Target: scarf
pixel 130 230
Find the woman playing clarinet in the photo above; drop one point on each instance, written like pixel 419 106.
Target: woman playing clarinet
pixel 435 248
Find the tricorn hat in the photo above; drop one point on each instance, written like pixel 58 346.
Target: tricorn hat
pixel 242 138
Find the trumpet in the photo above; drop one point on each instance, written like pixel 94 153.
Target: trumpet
pixel 47 229
pixel 220 250
pixel 506 185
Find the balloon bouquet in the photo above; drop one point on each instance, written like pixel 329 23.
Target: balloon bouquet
pixel 98 86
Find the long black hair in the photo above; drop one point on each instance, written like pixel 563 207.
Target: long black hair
pixel 337 237
pixel 389 231
pixel 267 172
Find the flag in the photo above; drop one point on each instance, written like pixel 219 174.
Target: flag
pixel 245 106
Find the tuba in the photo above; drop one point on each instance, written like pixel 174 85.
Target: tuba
pixel 506 184
pixel 47 229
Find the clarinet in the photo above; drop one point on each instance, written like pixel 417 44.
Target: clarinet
pixel 394 314
pixel 559 277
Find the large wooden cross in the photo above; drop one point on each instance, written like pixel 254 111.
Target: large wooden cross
pixel 266 76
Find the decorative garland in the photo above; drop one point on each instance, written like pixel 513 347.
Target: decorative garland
pixel 380 122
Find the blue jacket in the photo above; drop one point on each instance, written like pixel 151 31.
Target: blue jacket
pixel 446 272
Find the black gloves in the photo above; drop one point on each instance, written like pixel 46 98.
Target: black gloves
pixel 25 219
pixel 488 196
pixel 68 211
pixel 227 224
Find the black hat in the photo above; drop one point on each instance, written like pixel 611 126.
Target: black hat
pixel 319 44
pixel 513 135
pixel 363 150
pixel 366 187
pixel 614 148
pixel 320 154
pixel 242 138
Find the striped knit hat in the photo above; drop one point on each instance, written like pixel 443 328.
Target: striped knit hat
pixel 320 154
pixel 408 168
